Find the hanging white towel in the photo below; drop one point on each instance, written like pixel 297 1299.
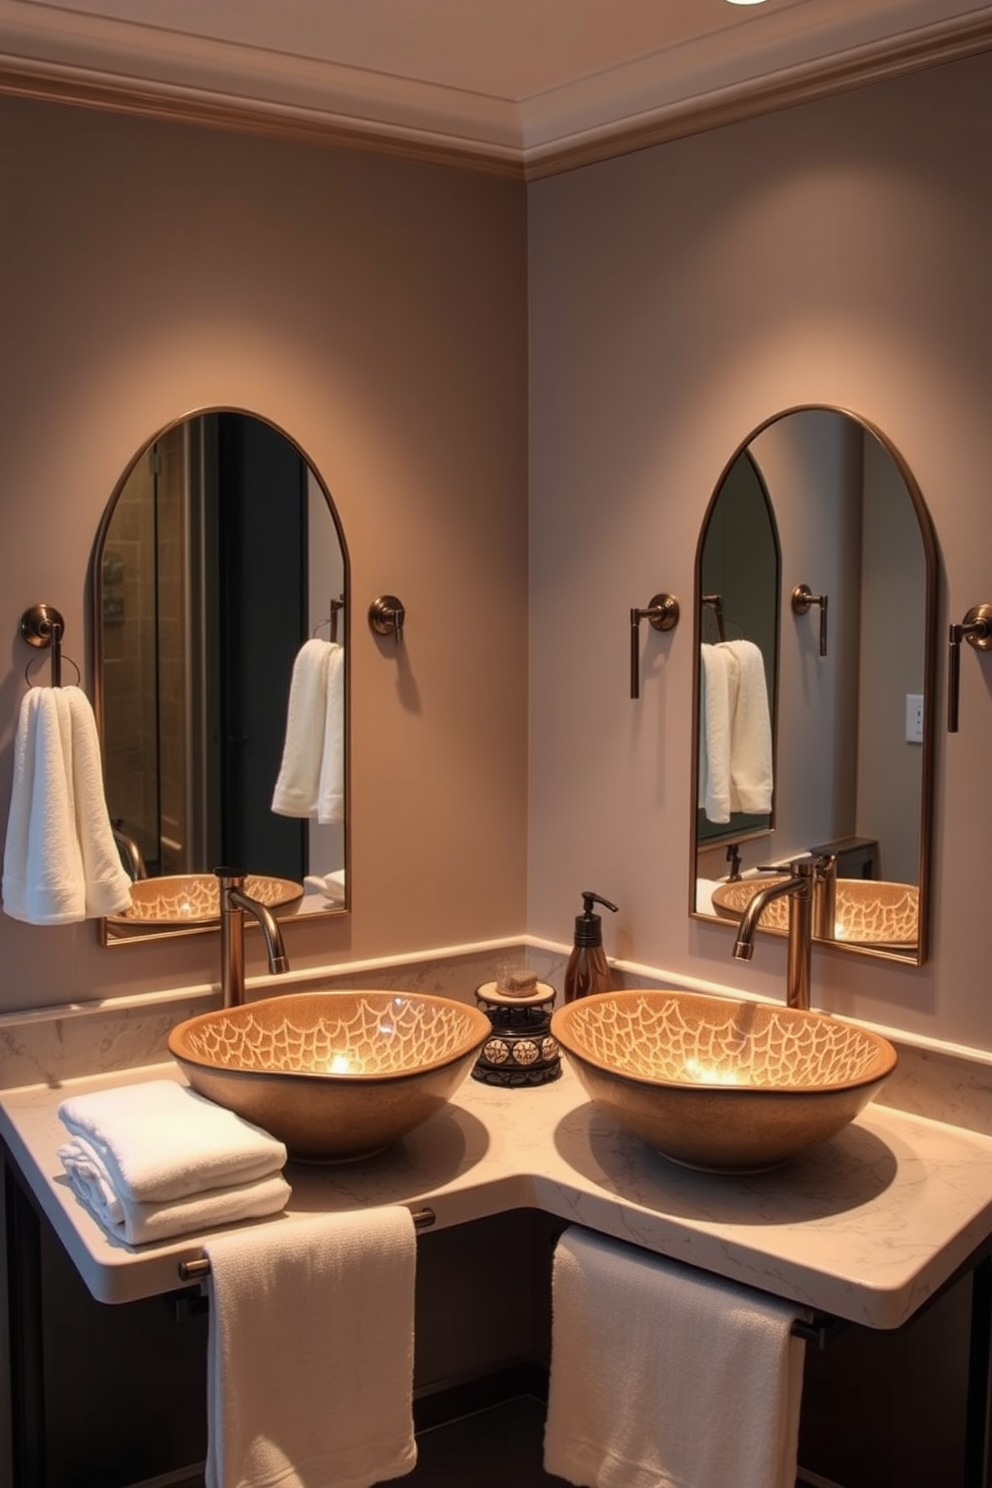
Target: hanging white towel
pixel 141 1223
pixel 310 1352
pixel 664 1377
pixel 750 731
pixel 107 886
pixel 60 864
pixel 330 789
pixel 714 733
pixel 301 780
pixel 159 1141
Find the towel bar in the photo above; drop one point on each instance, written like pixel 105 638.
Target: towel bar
pixel 819 1330
pixel 199 1266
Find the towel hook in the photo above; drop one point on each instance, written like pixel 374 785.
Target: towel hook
pixel 42 625
pixel 663 614
pixel 386 616
pixel 803 599
pixel 976 629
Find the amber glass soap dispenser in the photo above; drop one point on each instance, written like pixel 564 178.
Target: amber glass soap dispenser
pixel 587 970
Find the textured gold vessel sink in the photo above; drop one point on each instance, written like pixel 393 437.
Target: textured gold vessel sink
pixel 335 1075
pixel 718 1084
pixel 194 899
pixel 868 912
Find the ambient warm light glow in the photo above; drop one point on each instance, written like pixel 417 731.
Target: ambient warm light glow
pixel 712 1074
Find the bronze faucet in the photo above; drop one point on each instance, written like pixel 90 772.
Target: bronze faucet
pixel 234 903
pixel 799 888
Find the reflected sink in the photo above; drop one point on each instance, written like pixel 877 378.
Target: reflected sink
pixel 194 899
pixel 870 911
pixel 335 1075
pixel 717 1084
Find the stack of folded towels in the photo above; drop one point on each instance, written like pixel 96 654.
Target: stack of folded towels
pixel 154 1159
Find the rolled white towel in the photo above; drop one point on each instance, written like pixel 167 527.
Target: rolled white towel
pixel 159 1141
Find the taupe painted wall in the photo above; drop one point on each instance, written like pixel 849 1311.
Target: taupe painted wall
pixel 836 253
pixel 376 310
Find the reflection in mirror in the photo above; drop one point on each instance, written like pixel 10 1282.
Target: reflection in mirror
pixel 219 557
pixel 739 582
pixel 852 777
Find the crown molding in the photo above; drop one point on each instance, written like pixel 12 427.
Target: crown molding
pixel 99 65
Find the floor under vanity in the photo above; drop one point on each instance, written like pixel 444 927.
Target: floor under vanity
pixel 885 1228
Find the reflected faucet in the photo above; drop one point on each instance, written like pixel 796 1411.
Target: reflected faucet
pixel 234 903
pixel 799 888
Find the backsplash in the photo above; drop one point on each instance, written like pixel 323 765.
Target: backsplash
pixel 48 1046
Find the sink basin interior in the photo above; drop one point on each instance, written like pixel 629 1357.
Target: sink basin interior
pixel 194 899
pixel 719 1084
pixel 335 1075
pixel 869 911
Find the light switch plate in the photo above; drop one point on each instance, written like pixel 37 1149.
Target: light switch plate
pixel 914 718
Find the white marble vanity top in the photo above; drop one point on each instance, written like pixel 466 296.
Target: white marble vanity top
pixel 866 1227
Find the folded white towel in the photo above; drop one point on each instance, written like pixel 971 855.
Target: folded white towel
pixel 298 784
pixel 664 1377
pixel 330 885
pixel 310 1352
pixel 159 1141
pixel 750 731
pixel 714 733
pixel 60 864
pixel 140 1223
pixel 330 787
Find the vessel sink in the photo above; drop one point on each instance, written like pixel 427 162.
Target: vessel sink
pixel 718 1084
pixel 869 911
pixel 335 1075
pixel 194 899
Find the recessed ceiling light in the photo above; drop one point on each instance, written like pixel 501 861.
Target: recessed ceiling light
pixel 745 2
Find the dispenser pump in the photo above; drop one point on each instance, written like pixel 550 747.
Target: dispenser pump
pixel 587 970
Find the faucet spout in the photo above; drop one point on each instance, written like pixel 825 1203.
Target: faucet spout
pixel 234 905
pixel 799 888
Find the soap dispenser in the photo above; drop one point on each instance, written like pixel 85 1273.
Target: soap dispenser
pixel 587 970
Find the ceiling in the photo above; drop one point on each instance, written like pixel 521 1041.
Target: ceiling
pixel 521 87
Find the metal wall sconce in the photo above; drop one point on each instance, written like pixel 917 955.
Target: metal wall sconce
pixel 662 613
pixel 803 600
pixel 976 629
pixel 386 616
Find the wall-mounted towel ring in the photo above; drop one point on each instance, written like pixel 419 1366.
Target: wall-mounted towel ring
pixel 331 623
pixel 42 625
pixel 663 614
pixel 803 599
pixel 387 615
pixel 976 629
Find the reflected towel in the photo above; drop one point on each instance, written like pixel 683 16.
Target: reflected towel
pixel 303 750
pixel 310 1352
pixel 330 788
pixel 714 733
pixel 60 864
pixel 750 731
pixel 158 1141
pixel 665 1377
pixel 141 1223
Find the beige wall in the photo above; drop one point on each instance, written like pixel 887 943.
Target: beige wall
pixel 836 253
pixel 374 309
pixel 378 311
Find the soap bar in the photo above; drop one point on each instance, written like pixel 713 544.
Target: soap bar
pixel 520 984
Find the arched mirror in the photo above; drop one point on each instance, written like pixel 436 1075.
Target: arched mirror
pixel 218 569
pixel 820 547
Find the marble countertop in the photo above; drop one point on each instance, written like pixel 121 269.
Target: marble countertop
pixel 865 1227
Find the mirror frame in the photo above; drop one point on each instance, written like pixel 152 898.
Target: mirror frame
pixel 170 931
pixel 930 641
